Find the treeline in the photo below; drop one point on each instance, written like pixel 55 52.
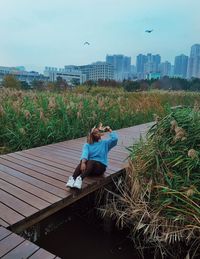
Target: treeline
pixel 165 83
pixel 11 81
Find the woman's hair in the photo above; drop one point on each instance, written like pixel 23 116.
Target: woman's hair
pixel 90 136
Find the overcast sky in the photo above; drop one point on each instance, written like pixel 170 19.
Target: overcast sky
pixel 39 33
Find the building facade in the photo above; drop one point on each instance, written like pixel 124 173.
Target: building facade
pixel 98 70
pixel 71 74
pixel 21 74
pixel 140 62
pixel 193 69
pixel 147 64
pixel 165 69
pixel 122 66
pixel 180 66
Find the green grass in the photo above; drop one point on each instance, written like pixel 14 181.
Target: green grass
pixel 30 119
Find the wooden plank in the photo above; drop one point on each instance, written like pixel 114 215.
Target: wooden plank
pixel 33 170
pixel 9 243
pixel 31 199
pixel 23 250
pixel 38 192
pixel 60 155
pixel 29 177
pixel 67 163
pixel 39 164
pixel 42 254
pixel 15 164
pixel 13 246
pixel 54 157
pixel 4 233
pixel 16 204
pixel 113 165
pixel 39 160
pixel 9 215
pixel 3 223
pixel 76 149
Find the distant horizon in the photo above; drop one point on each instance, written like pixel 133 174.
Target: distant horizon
pixel 37 33
pixel 43 68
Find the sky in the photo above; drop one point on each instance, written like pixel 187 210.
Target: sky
pixel 39 33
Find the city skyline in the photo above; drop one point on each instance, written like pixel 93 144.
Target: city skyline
pixel 38 34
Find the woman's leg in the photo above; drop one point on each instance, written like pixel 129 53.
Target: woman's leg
pixel 77 171
pixel 93 168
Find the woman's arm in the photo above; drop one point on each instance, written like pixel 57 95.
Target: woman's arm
pixel 85 152
pixel 84 157
pixel 113 138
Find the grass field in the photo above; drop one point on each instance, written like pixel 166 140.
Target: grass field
pixel 30 118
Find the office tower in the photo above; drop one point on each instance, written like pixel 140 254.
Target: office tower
pixel 71 74
pixel 193 69
pixel 98 70
pixel 140 62
pixel 121 64
pixel 152 64
pixel 180 66
pixel 165 69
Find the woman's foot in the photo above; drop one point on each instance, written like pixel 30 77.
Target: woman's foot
pixel 70 182
pixel 78 183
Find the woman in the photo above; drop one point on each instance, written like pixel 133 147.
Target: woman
pixel 94 158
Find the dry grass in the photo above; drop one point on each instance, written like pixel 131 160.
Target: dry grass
pixel 159 200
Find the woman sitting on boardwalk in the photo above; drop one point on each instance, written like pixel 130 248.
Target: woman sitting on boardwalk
pixel 94 158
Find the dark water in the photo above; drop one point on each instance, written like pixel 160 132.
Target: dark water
pixel 78 238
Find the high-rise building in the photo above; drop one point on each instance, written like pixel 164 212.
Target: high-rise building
pixel 147 64
pixel 122 66
pixel 193 69
pixel 180 66
pixel 153 64
pixel 165 69
pixel 140 62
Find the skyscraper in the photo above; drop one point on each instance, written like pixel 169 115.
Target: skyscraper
pixel 193 69
pixel 165 69
pixel 140 62
pixel 152 64
pixel 121 64
pixel 180 66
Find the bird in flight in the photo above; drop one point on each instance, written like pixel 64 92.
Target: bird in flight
pixel 149 31
pixel 86 43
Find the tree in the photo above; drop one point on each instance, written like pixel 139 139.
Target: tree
pixel 195 84
pixel 131 86
pixel 25 85
pixel 38 84
pixel 10 81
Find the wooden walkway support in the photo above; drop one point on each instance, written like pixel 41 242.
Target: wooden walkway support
pixel 32 182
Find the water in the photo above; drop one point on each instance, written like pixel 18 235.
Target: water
pixel 78 238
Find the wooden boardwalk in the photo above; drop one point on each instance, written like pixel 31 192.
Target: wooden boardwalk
pixel 32 182
pixel 13 246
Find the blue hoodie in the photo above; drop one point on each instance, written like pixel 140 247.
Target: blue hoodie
pixel 98 151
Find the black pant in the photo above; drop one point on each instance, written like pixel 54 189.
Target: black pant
pixel 92 168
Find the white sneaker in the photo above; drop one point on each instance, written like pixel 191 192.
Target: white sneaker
pixel 70 182
pixel 78 183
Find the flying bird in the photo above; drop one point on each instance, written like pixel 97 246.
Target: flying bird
pixel 149 31
pixel 86 43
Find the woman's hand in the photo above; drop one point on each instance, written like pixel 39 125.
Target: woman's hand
pixel 83 166
pixel 108 129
